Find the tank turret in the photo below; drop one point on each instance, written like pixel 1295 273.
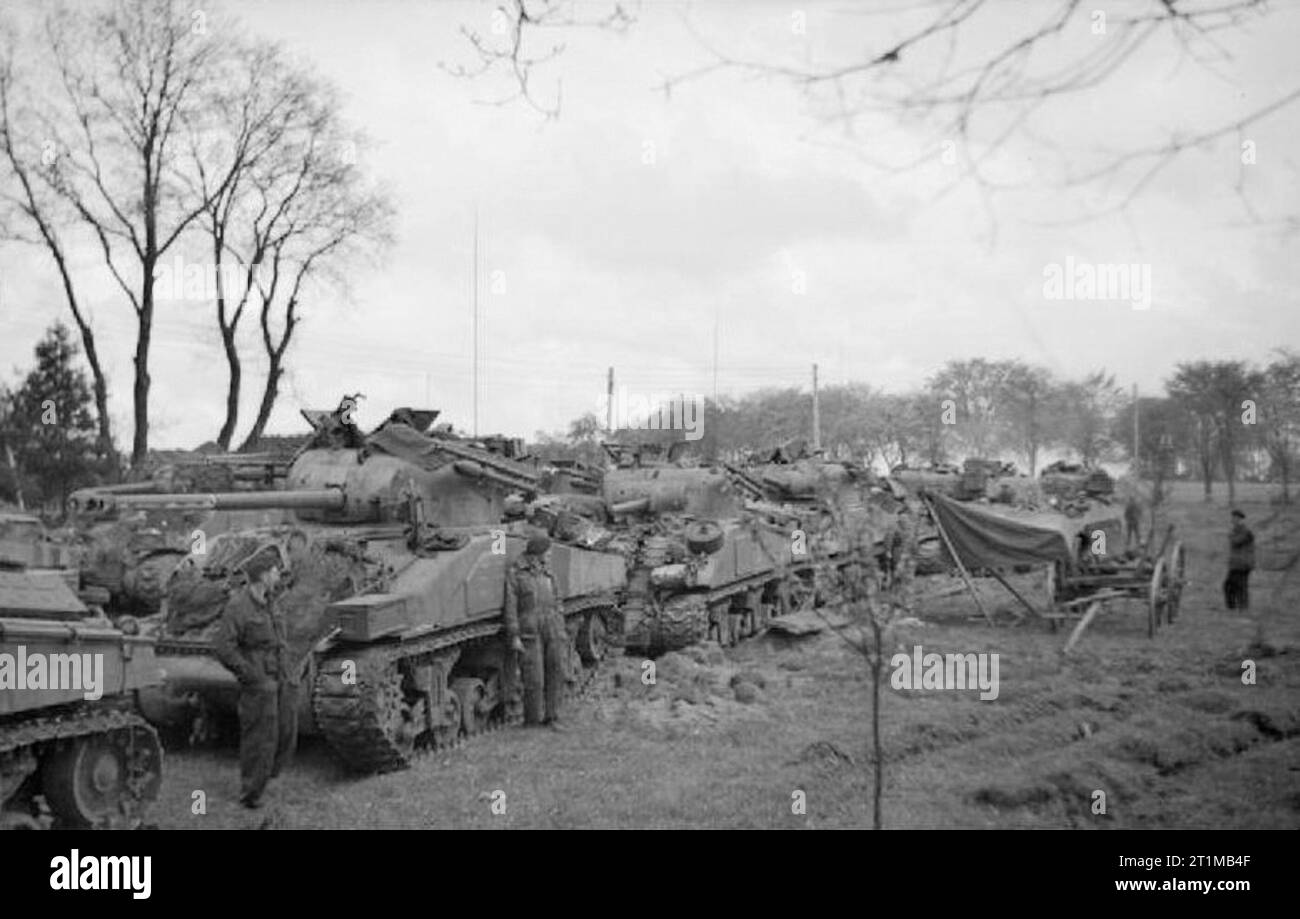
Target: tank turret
pixel 397 543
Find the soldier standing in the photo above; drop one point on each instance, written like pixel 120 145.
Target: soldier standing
pixel 1241 560
pixel 536 633
pixel 251 643
pixel 1132 523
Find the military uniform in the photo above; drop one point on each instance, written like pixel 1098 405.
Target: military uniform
pixel 251 643
pixel 1132 523
pixel 903 547
pixel 1241 561
pixel 532 615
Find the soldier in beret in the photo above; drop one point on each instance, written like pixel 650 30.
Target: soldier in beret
pixel 535 632
pixel 251 643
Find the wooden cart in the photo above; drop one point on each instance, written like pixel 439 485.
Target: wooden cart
pixel 1155 581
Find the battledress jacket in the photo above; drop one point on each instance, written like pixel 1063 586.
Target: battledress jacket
pixel 530 597
pixel 251 641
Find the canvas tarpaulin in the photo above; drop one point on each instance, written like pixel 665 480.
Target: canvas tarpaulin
pixel 988 538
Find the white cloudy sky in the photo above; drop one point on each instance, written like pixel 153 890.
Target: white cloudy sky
pixel 607 260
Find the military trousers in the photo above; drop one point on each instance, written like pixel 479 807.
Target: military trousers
pixel 268 734
pixel 542 667
pixel 1236 589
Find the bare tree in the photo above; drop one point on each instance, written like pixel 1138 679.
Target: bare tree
pixel 29 203
pixel 326 216
pixel 1214 392
pixel 129 82
pixel 1029 400
pixel 964 78
pixel 507 45
pixel 1279 411
pixel 1087 410
pixel 975 388
pixel 266 138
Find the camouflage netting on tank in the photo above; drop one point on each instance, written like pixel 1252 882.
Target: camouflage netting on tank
pixel 324 571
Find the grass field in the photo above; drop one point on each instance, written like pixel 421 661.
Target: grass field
pixel 1165 727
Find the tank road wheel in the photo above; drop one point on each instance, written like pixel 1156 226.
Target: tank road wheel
pixel 13 820
pixel 796 594
pixel 104 779
pixel 475 708
pixel 1177 578
pixel 593 641
pixel 720 622
pixel 452 726
pixel 1158 595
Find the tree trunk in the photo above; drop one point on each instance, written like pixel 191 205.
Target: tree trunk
pixel 140 392
pixel 232 388
pixel 876 673
pixel 264 408
pixel 18 482
pixel 105 436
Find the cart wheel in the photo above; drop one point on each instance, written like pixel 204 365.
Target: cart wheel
pixel 1157 598
pixel 1177 578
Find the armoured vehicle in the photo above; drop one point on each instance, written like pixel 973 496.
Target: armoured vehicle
pixel 70 739
pixel 715 552
pixel 398 548
pixel 1069 481
pixel 128 553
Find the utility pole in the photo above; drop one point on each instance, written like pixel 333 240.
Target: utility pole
pixel 476 319
pixel 817 415
pixel 609 403
pixel 715 358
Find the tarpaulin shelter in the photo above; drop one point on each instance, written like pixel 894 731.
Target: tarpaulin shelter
pixel 995 539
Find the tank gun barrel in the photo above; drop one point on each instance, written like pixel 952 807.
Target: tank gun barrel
pixel 746 482
pixel 504 471
pixel 474 469
pixel 94 501
pixel 624 508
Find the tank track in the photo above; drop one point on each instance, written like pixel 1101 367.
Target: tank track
pixel 22 738
pixel 66 726
pixel 348 714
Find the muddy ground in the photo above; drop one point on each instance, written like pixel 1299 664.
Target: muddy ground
pixel 1166 728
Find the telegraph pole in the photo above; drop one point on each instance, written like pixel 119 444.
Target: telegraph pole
pixel 609 403
pixel 715 358
pixel 817 415
pixel 476 319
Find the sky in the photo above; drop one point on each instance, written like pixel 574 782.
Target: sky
pixel 646 231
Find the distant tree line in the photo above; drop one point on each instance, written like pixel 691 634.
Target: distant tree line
pixel 1212 417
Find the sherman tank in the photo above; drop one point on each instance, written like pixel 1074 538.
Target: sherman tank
pixel 398 544
pixel 128 552
pixel 716 551
pixel 73 750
